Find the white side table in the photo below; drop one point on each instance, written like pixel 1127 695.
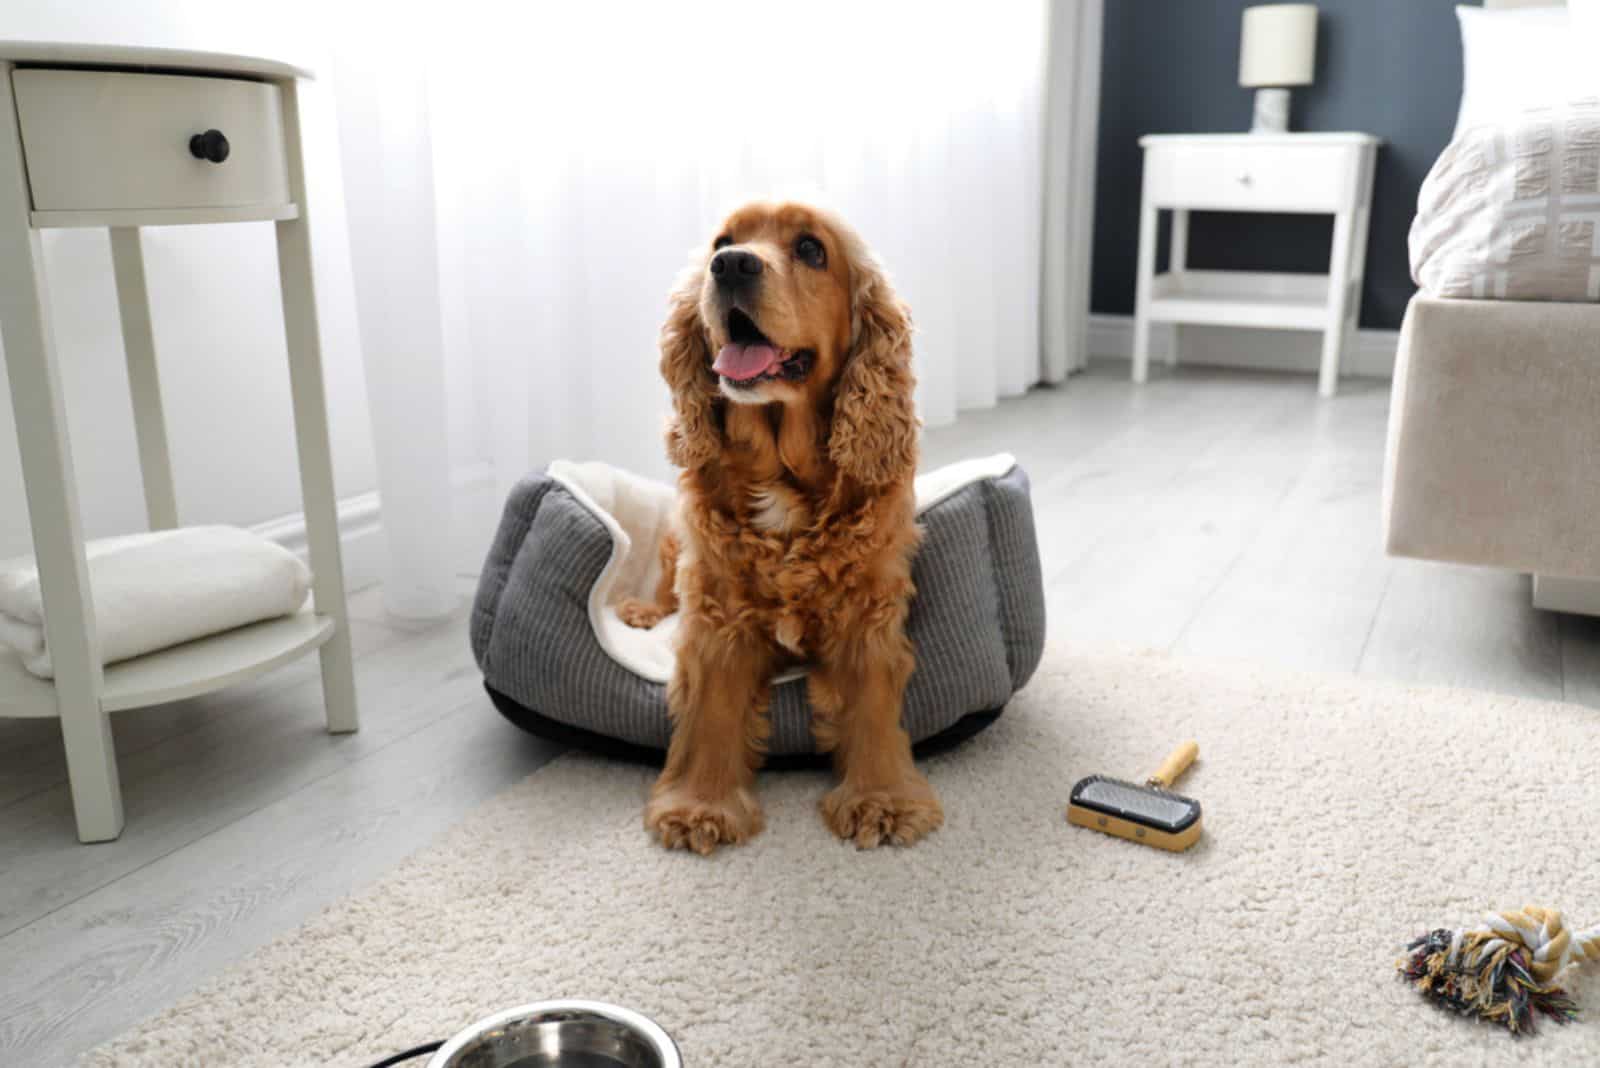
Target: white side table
pixel 124 138
pixel 1319 173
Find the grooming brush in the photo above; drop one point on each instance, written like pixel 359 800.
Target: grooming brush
pixel 1150 814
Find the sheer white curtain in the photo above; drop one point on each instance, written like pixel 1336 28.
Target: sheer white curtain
pixel 526 180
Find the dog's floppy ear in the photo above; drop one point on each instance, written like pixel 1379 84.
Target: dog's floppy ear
pixel 693 437
pixel 874 434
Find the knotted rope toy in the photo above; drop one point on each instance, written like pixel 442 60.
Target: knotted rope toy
pixel 1506 971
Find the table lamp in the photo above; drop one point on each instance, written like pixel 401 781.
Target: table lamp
pixel 1277 49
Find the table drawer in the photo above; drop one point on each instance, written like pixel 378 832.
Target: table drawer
pixel 113 141
pixel 1318 178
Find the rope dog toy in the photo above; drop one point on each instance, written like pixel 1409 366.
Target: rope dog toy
pixel 1505 971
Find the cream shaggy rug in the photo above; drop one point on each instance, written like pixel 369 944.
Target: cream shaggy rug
pixel 1342 817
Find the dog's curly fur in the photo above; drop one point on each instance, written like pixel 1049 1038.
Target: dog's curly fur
pixel 793 538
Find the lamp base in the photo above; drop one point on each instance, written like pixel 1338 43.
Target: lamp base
pixel 1272 112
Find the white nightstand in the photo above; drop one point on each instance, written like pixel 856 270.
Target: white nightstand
pixel 1317 173
pixel 123 138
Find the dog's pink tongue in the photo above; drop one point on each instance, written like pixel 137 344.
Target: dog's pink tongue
pixel 744 362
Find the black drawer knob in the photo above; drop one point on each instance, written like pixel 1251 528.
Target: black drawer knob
pixel 210 145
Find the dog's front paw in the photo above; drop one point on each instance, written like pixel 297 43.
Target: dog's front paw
pixel 683 821
pixel 641 614
pixel 899 814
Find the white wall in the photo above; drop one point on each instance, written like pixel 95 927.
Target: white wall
pixel 214 298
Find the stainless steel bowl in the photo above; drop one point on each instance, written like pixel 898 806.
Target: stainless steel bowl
pixel 560 1034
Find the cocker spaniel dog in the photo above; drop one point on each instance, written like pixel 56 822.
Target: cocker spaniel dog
pixel 789 359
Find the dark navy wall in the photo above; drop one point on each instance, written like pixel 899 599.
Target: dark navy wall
pixel 1385 67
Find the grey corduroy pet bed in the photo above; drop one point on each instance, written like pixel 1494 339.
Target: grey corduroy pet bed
pixel 579 538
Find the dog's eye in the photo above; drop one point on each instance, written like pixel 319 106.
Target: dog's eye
pixel 722 242
pixel 810 251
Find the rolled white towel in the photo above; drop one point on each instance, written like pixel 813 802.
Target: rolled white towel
pixel 155 590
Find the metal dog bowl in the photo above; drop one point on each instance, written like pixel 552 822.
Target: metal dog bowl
pixel 560 1034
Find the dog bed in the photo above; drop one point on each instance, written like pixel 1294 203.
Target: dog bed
pixel 579 538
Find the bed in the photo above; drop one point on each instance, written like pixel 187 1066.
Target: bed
pixel 1493 455
pixel 577 538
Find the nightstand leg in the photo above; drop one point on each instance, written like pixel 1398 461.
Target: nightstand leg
pixel 58 541
pixel 144 382
pixel 311 436
pixel 316 472
pixel 1339 282
pixel 1146 281
pixel 1179 262
pixel 52 494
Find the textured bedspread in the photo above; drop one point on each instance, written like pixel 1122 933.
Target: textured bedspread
pixel 1511 210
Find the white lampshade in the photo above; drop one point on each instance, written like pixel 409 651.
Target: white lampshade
pixel 1278 45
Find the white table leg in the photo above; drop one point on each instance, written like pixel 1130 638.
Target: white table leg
pixel 1362 224
pixel 1363 228
pixel 1146 281
pixel 52 497
pixel 311 435
pixel 144 383
pixel 1339 278
pixel 1179 257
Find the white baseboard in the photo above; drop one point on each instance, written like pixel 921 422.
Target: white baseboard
pixel 360 538
pixel 361 527
pixel 1369 355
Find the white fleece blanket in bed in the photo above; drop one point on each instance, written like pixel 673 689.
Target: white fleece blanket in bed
pixel 637 511
pixel 159 589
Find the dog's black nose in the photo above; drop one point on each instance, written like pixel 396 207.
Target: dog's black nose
pixel 734 267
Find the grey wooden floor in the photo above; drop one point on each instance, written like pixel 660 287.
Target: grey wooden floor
pixel 1210 513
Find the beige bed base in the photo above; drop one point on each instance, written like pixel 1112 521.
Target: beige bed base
pixel 1494 442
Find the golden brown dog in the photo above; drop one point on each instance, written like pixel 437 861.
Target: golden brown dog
pixel 789 359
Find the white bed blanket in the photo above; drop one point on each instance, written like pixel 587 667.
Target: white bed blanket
pixel 159 589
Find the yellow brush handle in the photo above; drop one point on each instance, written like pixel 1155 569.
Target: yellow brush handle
pixel 1176 764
